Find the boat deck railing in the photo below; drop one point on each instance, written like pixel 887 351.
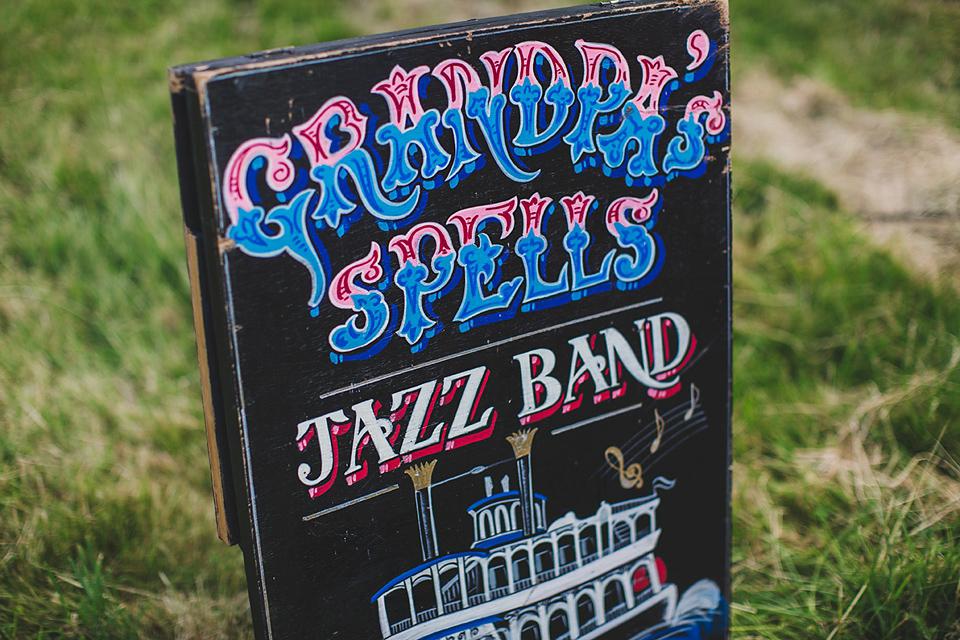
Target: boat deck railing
pixel 543 576
pixel 499 592
pixel 629 504
pixel 588 626
pixel 429 614
pixel 617 611
pixel 453 605
pixel 400 626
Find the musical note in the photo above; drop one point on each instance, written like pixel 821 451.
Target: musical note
pixel 694 398
pixel 660 424
pixel 631 476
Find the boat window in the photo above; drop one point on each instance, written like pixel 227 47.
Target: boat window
pixel 538 510
pixel 450 584
pixel 474 579
pixel 588 541
pixel 641 579
pixel 585 610
pixel 559 626
pixel 521 565
pixel 398 606
pixel 497 572
pixel 543 556
pixel 486 524
pixel 643 524
pixel 613 596
pixel 567 553
pixel 424 597
pixel 530 630
pixel 503 519
pixel 621 534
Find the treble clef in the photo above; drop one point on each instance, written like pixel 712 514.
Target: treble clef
pixel 630 477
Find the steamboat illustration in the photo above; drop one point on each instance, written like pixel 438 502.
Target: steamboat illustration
pixel 524 579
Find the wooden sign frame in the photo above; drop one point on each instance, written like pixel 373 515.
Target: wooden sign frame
pixel 462 298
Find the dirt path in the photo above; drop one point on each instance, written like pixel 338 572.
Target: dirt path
pixel 900 173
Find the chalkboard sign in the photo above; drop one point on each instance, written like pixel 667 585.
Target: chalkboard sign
pixel 463 306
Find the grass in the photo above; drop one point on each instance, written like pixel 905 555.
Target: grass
pixel 847 481
pixel 827 315
pixel 106 527
pixel 847 473
pixel 901 54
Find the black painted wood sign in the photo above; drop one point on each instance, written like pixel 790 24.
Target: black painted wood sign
pixel 463 306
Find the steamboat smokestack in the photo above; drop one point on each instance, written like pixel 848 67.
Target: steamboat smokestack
pixel 421 475
pixel 521 443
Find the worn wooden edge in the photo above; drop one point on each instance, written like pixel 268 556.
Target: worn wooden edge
pixel 219 474
pixel 223 484
pixel 204 72
pixel 199 199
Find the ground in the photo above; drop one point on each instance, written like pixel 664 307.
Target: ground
pixel 900 173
